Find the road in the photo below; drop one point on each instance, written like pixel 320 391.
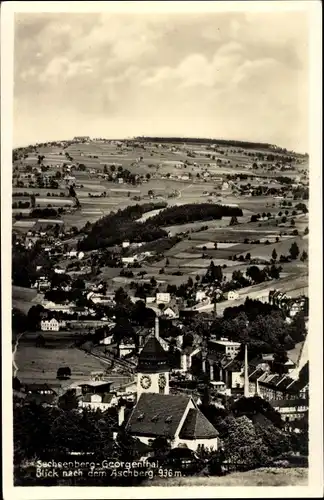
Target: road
pixel 14 364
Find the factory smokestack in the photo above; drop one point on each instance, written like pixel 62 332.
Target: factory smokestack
pixel 246 374
pixel 157 327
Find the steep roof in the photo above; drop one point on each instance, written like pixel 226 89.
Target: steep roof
pixel 234 366
pixel 153 358
pixel 256 374
pixel 197 426
pixel 157 415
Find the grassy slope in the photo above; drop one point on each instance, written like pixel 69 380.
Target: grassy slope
pixel 260 477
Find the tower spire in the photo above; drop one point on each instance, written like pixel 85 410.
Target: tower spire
pixel 246 374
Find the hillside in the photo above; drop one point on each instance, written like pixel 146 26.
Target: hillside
pixel 259 477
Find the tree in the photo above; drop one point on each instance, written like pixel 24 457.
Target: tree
pixel 233 221
pixel 161 446
pixel 242 443
pixel 63 373
pixel 274 272
pixel 279 359
pixel 148 176
pixel 294 250
pixel 274 254
pixel 256 274
pixel 304 256
pixel 40 341
pixel 121 296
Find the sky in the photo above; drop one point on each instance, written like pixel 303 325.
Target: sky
pixel 230 75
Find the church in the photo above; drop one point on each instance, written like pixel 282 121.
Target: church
pixel 158 413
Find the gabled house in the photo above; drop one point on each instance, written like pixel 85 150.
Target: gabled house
pixel 174 417
pixel 52 325
pixel 160 414
pixel 100 402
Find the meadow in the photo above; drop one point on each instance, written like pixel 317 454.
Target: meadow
pixel 260 477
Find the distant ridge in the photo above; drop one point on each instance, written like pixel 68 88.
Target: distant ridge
pixel 220 142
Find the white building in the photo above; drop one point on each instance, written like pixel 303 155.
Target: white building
pixel 160 414
pixel 225 346
pixel 52 325
pixel 129 260
pixel 200 295
pixel 100 402
pixel 232 295
pixel 163 298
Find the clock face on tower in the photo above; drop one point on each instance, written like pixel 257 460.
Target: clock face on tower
pixel 146 382
pixel 162 381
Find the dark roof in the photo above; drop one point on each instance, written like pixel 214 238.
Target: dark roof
pixel 289 403
pixel 302 380
pixel 36 388
pixel 234 366
pixel 284 383
pixel 153 358
pixel 256 374
pixel 157 415
pixel 40 398
pixel 197 426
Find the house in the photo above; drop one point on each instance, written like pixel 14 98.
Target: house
pixel 187 355
pixel 129 260
pixel 160 414
pixel 91 387
pixel 290 409
pixel 200 295
pixel 232 295
pixel 171 312
pixel 52 325
pixel 275 386
pixel 100 402
pixel 40 389
pixel 224 346
pixel 163 298
pixel 125 244
pixel 125 348
pixel 59 270
pixel 72 253
pixel 108 340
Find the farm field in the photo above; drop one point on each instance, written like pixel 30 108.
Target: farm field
pixel 41 364
pixel 165 169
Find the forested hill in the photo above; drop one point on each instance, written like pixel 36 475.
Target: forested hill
pixel 192 212
pixel 219 142
pixel 114 228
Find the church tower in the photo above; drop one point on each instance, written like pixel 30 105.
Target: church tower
pixel 153 367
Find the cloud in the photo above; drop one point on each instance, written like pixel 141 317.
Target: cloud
pixel 229 74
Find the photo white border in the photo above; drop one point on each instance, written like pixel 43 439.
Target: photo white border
pixel 311 8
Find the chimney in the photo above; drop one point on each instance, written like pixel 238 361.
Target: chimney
pixel 121 415
pixel 246 374
pixel 157 327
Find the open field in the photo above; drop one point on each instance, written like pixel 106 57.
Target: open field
pixel 259 477
pixel 41 364
pixel 179 173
